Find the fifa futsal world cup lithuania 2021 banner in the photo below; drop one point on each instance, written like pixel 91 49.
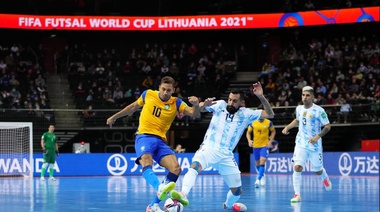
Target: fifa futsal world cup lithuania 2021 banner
pixel 201 22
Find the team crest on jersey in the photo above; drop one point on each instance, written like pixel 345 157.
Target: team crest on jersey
pixel 167 107
pixel 311 116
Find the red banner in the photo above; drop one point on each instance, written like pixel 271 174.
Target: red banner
pixel 242 21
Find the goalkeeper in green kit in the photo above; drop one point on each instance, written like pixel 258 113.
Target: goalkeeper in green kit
pixel 50 149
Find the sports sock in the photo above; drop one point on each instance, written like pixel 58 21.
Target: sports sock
pixel 155 200
pixel 43 170
pixel 231 199
pixel 51 169
pixel 171 177
pixel 261 172
pixel 151 177
pixel 324 174
pixel 297 181
pixel 189 180
pixel 257 169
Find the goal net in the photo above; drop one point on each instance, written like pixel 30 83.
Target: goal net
pixel 16 149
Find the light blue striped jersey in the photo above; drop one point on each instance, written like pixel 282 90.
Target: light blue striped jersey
pixel 310 121
pixel 225 129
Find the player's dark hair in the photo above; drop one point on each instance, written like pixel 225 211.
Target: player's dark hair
pixel 237 91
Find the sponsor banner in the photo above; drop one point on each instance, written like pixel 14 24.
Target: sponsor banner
pixel 241 21
pixel 95 165
pixel 335 163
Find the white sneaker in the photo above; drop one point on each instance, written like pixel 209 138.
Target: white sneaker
pixel 327 184
pixel 263 181
pixel 42 179
pixel 296 198
pixel 154 208
pixel 257 183
pixel 52 178
pixel 238 207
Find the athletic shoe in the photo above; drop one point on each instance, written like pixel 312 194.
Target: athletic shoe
pixel 263 181
pixel 296 198
pixel 52 178
pixel 42 179
pixel 238 207
pixel 327 184
pixel 164 189
pixel 154 208
pixel 180 197
pixel 257 183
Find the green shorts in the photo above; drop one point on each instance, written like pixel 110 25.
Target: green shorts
pixel 49 157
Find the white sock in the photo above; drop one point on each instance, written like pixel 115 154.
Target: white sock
pixel 189 180
pixel 297 181
pixel 231 199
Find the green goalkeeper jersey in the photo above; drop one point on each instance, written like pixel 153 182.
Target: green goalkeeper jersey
pixel 50 139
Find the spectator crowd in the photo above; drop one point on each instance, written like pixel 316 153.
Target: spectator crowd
pixel 343 69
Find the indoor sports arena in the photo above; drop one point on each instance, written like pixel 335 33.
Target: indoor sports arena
pixel 77 78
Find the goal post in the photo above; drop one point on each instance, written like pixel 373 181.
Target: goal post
pixel 16 149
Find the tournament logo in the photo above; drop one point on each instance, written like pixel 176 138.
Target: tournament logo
pixel 345 164
pixel 365 17
pixel 291 20
pixel 117 164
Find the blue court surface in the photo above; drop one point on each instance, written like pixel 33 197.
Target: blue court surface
pixel 132 193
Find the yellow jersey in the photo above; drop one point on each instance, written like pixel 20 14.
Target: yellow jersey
pixel 157 116
pixel 260 132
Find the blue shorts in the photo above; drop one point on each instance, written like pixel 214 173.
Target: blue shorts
pixel 260 152
pixel 153 145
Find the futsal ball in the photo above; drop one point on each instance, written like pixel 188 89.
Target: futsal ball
pixel 239 207
pixel 172 206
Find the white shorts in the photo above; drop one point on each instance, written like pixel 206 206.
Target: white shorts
pixel 225 164
pixel 301 155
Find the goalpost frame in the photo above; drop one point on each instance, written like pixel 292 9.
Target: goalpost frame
pixel 24 124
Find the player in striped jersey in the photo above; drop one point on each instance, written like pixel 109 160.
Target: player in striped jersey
pixel 228 123
pixel 159 109
pixel 313 123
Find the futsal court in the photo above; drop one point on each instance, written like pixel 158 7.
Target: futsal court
pixel 132 193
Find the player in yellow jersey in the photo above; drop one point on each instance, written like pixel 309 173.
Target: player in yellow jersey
pixel 260 135
pixel 159 110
